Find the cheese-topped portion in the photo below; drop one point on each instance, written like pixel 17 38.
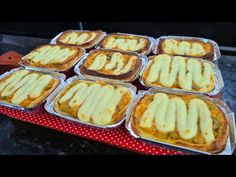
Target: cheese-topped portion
pixel 77 38
pixel 179 72
pixel 173 114
pixel 113 64
pixel 94 102
pixel 51 54
pixel 125 43
pixel 24 87
pixel 186 48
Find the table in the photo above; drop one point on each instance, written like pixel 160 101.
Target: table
pixel 18 137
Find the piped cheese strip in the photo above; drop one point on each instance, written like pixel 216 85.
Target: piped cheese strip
pixel 76 38
pixel 140 45
pixel 70 93
pixel 16 84
pixel 98 62
pixel 110 43
pixel 37 55
pixel 116 63
pixel 40 84
pixel 165 69
pixel 90 103
pixel 132 43
pixel 185 73
pixel 125 69
pixel 50 54
pixel 195 68
pixel 125 44
pixel 69 37
pixel 183 48
pixel 109 108
pixel 24 92
pixel 41 54
pixel 101 115
pixel 23 85
pixel 81 93
pixel 80 39
pixel 171 114
pixel 64 56
pixel 15 78
pixel 61 55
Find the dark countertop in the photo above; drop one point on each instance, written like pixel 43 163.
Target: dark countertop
pixel 18 137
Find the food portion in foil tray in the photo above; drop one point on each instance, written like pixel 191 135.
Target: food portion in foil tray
pixel 126 42
pixel 112 64
pixel 84 38
pixel 26 88
pixel 179 72
pixel 186 47
pixel 94 102
pixel 183 120
pixel 53 57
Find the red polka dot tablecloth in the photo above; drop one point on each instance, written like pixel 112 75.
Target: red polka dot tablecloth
pixel 118 137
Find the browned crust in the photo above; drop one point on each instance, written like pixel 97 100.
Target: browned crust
pixel 118 115
pixel 40 99
pixel 86 45
pixel 126 76
pixel 215 147
pixel 210 87
pixel 209 56
pixel 145 50
pixel 67 64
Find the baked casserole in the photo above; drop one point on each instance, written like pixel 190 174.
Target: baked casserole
pixel 53 57
pixel 179 73
pixel 111 64
pixel 93 102
pixel 183 120
pixel 27 88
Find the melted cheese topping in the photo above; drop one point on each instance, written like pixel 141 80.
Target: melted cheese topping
pixel 165 70
pixel 99 62
pixel 125 44
pixel 94 101
pixel 23 85
pixel 172 46
pixel 50 54
pixel 173 114
pixel 115 63
pixel 78 38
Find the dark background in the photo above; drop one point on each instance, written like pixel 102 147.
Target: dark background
pixel 223 33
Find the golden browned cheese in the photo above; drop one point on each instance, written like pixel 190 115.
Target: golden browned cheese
pixel 94 102
pixel 124 42
pixel 111 64
pixel 187 47
pixel 53 56
pixel 185 120
pixel 85 39
pixel 180 73
pixel 26 88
